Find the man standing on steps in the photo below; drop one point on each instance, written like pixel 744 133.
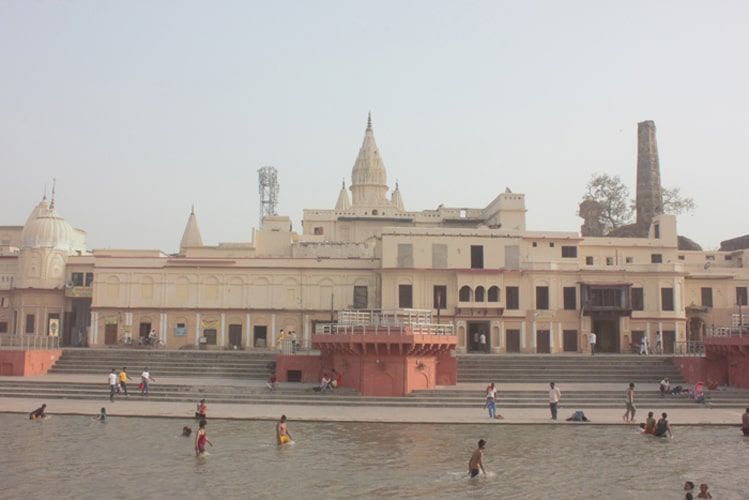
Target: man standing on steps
pixel 592 339
pixel 124 377
pixel 145 381
pixel 554 396
pixel 112 384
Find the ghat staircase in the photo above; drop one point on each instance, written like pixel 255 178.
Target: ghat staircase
pixel 522 380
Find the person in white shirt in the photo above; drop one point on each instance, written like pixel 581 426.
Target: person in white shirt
pixel 554 396
pixel 112 384
pixel 644 343
pixel 145 379
pixel 592 339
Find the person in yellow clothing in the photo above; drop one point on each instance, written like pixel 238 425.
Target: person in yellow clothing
pixel 123 380
pixel 281 337
pixel 283 435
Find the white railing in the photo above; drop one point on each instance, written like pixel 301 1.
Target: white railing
pixel 727 331
pixel 738 320
pixel 388 322
pixel 36 342
pixel 689 348
pixel 385 317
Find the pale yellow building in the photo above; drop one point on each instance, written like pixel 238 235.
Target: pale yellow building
pixel 479 269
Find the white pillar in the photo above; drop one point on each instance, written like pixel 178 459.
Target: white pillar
pixel 94 328
pixel 248 323
pixel 162 327
pixel 197 329
pixel 272 341
pixel 223 328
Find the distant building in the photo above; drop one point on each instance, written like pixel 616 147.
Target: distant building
pixel 480 269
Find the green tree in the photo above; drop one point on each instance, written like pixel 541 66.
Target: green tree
pixel 618 209
pixel 613 198
pixel 674 203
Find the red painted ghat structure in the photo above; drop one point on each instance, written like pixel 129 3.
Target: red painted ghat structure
pixel 27 355
pixel 379 353
pixel 726 359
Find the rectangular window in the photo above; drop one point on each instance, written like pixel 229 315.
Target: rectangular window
pixel 3 327
pixel 477 257
pixel 405 296
pixel 439 256
pixel 29 323
pixel 741 295
pixel 589 261
pixel 570 298
pixel 440 296
pixel 569 252
pixel 629 260
pixel 609 261
pixel 77 279
pixel 318 230
pixel 89 279
pixel 360 297
pixel 542 297
pixel 638 299
pixel 405 255
pixel 707 297
pixel 512 294
pixel 667 299
pixel 656 258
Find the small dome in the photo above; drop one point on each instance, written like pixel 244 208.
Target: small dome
pixel 47 230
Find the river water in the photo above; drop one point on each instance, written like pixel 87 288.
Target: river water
pixel 78 457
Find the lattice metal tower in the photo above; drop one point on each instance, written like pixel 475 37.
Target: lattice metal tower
pixel 268 189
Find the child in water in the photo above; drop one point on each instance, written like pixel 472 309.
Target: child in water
pixel 103 415
pixel 201 438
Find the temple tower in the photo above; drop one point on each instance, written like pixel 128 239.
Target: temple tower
pixel 368 177
pixel 649 200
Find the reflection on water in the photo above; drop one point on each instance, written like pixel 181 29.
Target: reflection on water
pixel 78 457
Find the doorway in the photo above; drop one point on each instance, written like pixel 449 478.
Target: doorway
pixel 569 340
pixel 512 340
pixel 475 329
pixel 110 334
pixel 235 336
pixel 543 341
pixel 669 338
pixel 607 335
pixel 260 336
pixel 144 330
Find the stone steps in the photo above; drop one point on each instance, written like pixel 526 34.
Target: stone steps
pixel 567 369
pixel 167 363
pixel 304 395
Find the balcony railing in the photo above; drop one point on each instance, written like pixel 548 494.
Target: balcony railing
pixel 689 348
pixel 36 342
pixel 728 331
pixel 389 322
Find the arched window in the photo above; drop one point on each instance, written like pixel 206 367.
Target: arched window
pixel 493 295
pixel 465 294
pixel 479 294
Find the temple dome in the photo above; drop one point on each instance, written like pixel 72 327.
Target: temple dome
pixel 46 229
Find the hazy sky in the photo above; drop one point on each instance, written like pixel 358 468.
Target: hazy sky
pixel 141 109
